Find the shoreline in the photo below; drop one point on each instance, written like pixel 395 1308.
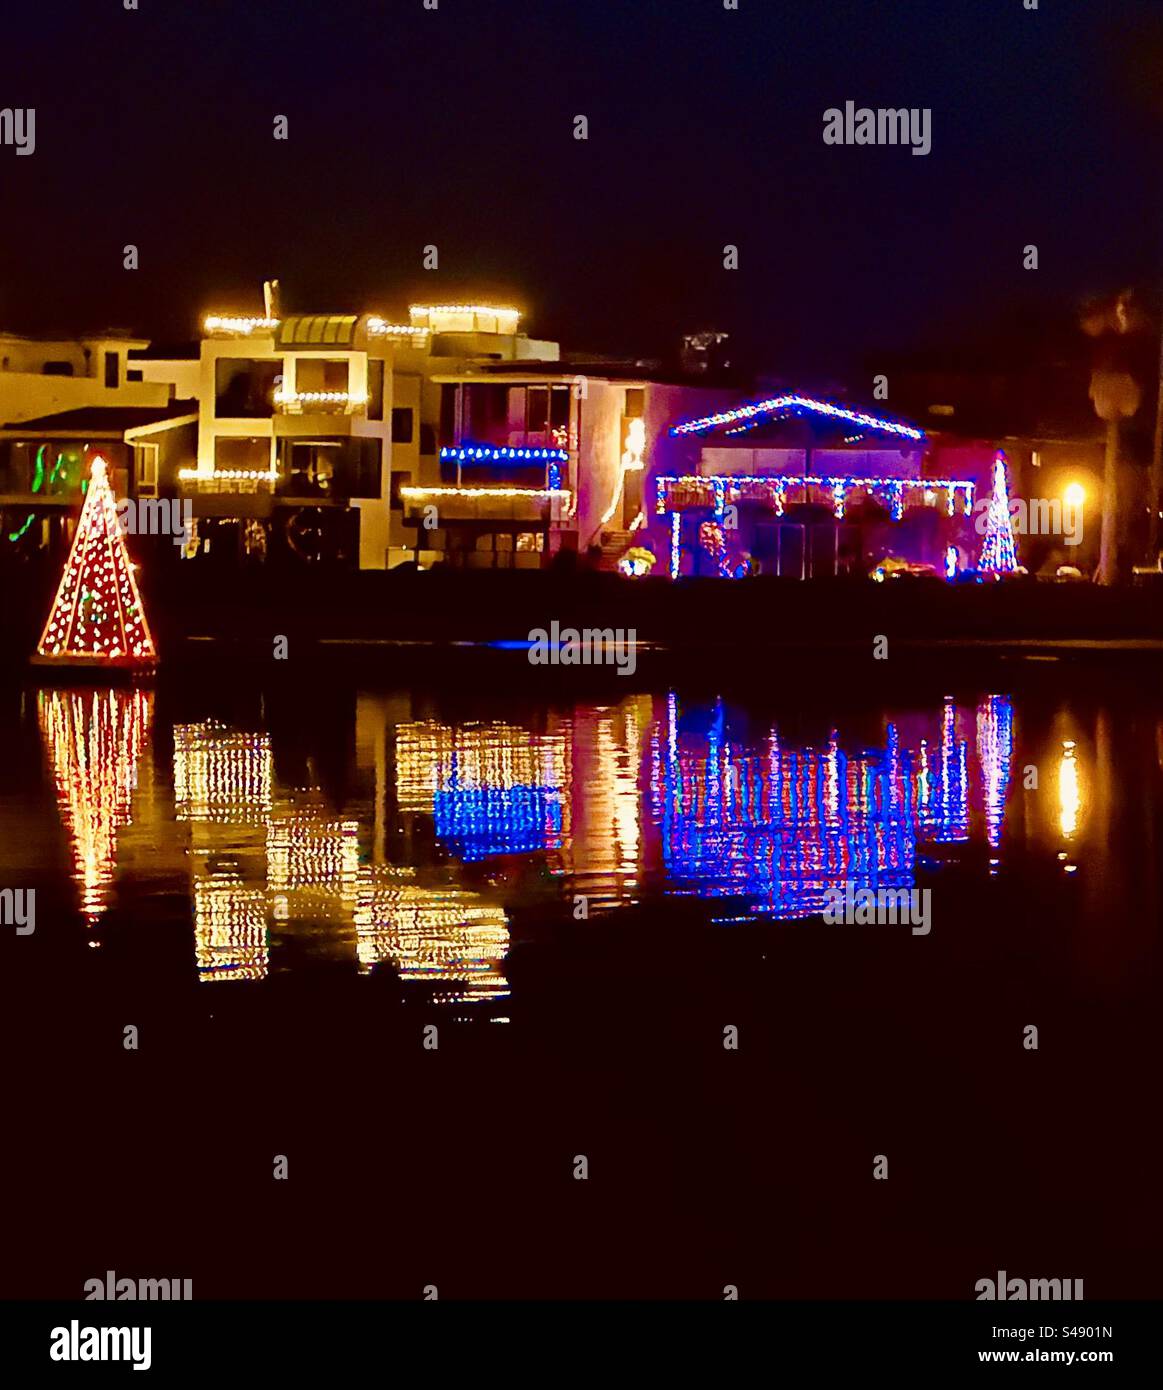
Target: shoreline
pixel 371 614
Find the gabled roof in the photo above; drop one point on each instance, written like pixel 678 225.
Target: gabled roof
pixel 790 405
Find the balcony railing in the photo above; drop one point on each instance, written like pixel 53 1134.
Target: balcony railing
pixel 243 481
pixel 320 402
pixel 495 503
pixel 696 492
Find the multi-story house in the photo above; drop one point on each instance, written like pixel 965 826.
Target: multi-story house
pixel 61 402
pixel 452 438
pixel 546 457
pixel 361 440
pixel 310 426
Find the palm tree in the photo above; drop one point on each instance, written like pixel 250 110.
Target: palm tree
pixel 1116 396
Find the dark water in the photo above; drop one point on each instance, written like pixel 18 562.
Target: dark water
pixel 282 889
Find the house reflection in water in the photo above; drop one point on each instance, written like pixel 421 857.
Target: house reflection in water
pixel 444 936
pixel 264 856
pixel 779 826
pixel 222 790
pixel 490 788
pixel 449 823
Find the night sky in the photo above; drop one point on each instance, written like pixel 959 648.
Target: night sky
pixel 455 127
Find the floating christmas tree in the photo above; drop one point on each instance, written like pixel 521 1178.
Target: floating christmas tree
pixel 998 555
pixel 97 619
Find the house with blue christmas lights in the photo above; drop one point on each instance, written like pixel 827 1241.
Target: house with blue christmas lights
pixel 802 487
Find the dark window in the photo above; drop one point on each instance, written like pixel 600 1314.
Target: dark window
pixel 112 370
pixel 245 387
pixel 132 375
pixel 375 389
pixel 321 374
pixel 427 439
pixel 399 480
pixel 367 472
pixel 537 410
pixel 448 413
pixel 559 407
pixel 485 415
pixel 254 454
pixel 57 369
pixel 402 424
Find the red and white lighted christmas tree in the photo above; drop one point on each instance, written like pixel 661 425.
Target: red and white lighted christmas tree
pixel 97 619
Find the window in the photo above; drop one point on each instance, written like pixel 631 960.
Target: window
pixel 244 387
pixel 57 369
pixel 537 411
pixel 427 439
pixel 321 374
pixel 635 402
pixel 134 374
pixel 402 424
pixel 375 388
pixel 250 454
pixel 367 472
pixel 399 480
pixel 559 408
pixel 112 370
pixel 448 413
pixel 147 469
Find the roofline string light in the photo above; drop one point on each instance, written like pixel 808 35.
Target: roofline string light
pixel 499 311
pixel 797 403
pixel 379 328
pixel 226 323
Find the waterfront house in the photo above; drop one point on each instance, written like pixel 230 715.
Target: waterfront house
pixel 803 487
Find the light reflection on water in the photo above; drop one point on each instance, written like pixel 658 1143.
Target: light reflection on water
pixel 94 740
pixel 455 824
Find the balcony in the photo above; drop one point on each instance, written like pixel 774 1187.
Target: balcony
pixel 328 472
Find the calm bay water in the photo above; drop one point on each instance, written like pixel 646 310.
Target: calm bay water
pixel 405 839
pixel 281 888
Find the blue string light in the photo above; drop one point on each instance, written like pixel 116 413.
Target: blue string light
pixel 468 452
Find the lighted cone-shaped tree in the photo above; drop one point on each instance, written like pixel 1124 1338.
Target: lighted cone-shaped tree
pixel 97 619
pixel 998 555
